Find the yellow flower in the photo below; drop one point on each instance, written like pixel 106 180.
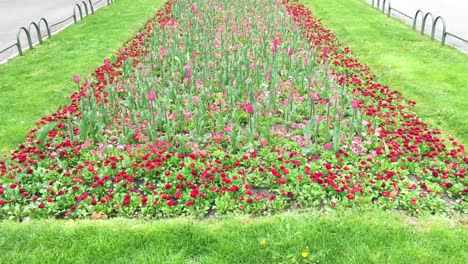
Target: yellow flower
pixel 293 260
pixel 263 242
pixel 304 254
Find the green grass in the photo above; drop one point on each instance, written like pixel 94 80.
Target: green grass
pixel 342 237
pixel 36 84
pixel 435 77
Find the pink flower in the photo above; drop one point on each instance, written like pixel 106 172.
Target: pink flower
pixel 325 50
pixel 188 73
pixel 276 41
pixel 355 103
pixel 151 96
pixel 327 146
pixel 290 51
pixel 76 79
pixel 250 109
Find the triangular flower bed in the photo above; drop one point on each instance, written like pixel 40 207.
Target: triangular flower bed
pixel 220 107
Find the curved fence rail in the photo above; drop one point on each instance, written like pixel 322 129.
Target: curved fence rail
pixel 87 6
pixel 381 5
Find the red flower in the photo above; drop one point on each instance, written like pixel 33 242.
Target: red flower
pixel 41 205
pixel 144 200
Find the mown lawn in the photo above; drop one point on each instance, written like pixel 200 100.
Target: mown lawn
pixel 37 83
pixel 424 71
pixel 351 236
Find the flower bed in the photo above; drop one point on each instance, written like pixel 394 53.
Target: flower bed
pixel 220 107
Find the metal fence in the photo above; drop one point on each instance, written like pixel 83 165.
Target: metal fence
pixel 86 6
pixel 386 7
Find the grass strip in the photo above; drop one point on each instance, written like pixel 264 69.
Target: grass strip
pixel 350 236
pixel 36 84
pixel 434 76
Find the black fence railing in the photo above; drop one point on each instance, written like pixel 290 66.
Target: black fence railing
pixel 387 8
pixel 87 6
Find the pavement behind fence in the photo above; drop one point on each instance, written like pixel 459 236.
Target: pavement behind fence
pixel 454 12
pixel 19 13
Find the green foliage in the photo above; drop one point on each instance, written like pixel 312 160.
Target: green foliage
pixel 37 83
pixel 424 71
pixel 352 236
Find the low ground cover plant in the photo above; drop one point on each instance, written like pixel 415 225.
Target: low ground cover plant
pixel 220 107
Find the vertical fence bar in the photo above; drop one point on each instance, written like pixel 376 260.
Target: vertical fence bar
pixel 91 6
pixel 416 17
pixel 38 32
pixel 424 22
pixel 444 28
pixel 74 12
pixel 85 7
pixel 18 42
pixel 47 26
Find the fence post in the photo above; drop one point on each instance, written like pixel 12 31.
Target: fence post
pixel 389 8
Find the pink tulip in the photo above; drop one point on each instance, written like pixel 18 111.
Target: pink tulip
pixel 188 73
pixel 151 96
pixel 327 146
pixel 355 103
pixel 290 51
pixel 325 50
pixel 276 41
pixel 76 79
